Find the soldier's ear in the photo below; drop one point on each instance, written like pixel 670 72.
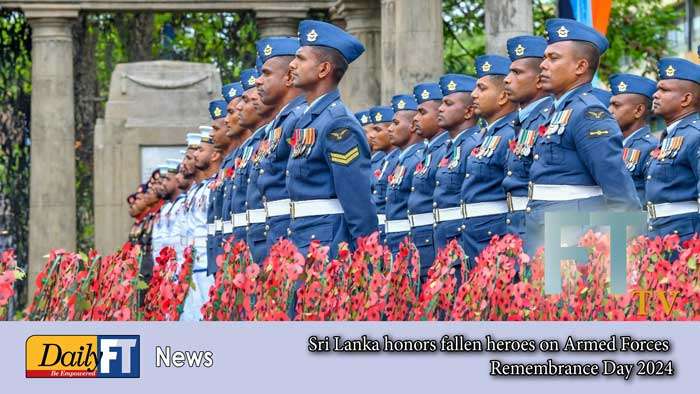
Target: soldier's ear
pixel 582 66
pixel 288 82
pixel 640 111
pixel 687 100
pixel 324 70
pixel 503 98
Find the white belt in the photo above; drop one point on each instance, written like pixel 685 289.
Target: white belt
pixel 300 209
pixel 656 211
pixel 381 219
pixel 516 203
pixel 240 219
pixel 397 226
pixel 227 227
pixel 445 214
pixel 255 216
pixel 421 219
pixel 278 207
pixel 484 208
pixel 563 192
pixel 211 229
pixel 218 225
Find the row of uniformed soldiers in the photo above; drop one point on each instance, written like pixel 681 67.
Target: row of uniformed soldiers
pixel 465 158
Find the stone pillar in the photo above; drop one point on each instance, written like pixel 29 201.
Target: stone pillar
pixel 418 44
pixel 52 221
pixel 505 19
pixel 388 50
pixel 278 23
pixel 361 86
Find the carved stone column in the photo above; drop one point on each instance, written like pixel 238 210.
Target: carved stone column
pixel 388 50
pixel 418 44
pixel 505 19
pixel 278 23
pixel 361 86
pixel 52 213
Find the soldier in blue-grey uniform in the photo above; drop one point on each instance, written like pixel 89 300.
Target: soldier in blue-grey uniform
pixel 329 166
pixel 524 88
pixel 232 95
pixel 631 106
pixel 275 89
pixel 377 162
pixel 363 118
pixel 381 117
pixel 483 198
pixel 673 175
pixel 207 160
pixel 404 136
pixel 260 120
pixel 576 162
pixel 249 119
pixel 420 202
pixel 457 115
pixel 217 111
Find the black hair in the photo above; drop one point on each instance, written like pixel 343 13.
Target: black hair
pixel 589 52
pixel 334 57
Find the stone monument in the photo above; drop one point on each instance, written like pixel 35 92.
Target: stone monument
pixel 151 105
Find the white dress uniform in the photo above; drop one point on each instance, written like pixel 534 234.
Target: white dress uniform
pixel 160 233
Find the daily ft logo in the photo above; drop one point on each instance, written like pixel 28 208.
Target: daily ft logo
pixel 83 356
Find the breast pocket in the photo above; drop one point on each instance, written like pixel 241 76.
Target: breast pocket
pixel 554 151
pixel 484 168
pixel 662 169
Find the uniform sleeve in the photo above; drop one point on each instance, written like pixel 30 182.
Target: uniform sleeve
pixel 348 156
pixel 598 141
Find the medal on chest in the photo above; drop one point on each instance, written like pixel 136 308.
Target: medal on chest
pixel 274 140
pixel 245 157
pixel 452 161
pixel 488 146
pixel 526 140
pixel 262 151
pixel 670 147
pixel 558 123
pixel 631 158
pixel 422 167
pixel 397 175
pixel 302 141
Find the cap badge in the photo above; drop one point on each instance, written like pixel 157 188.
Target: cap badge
pixel 311 36
pixel 519 50
pixel 562 32
pixel 268 50
pixel 622 86
pixel 670 71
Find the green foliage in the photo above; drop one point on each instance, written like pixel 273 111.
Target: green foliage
pixel 638 35
pixel 224 39
pixel 637 32
pixel 464 38
pixel 15 90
